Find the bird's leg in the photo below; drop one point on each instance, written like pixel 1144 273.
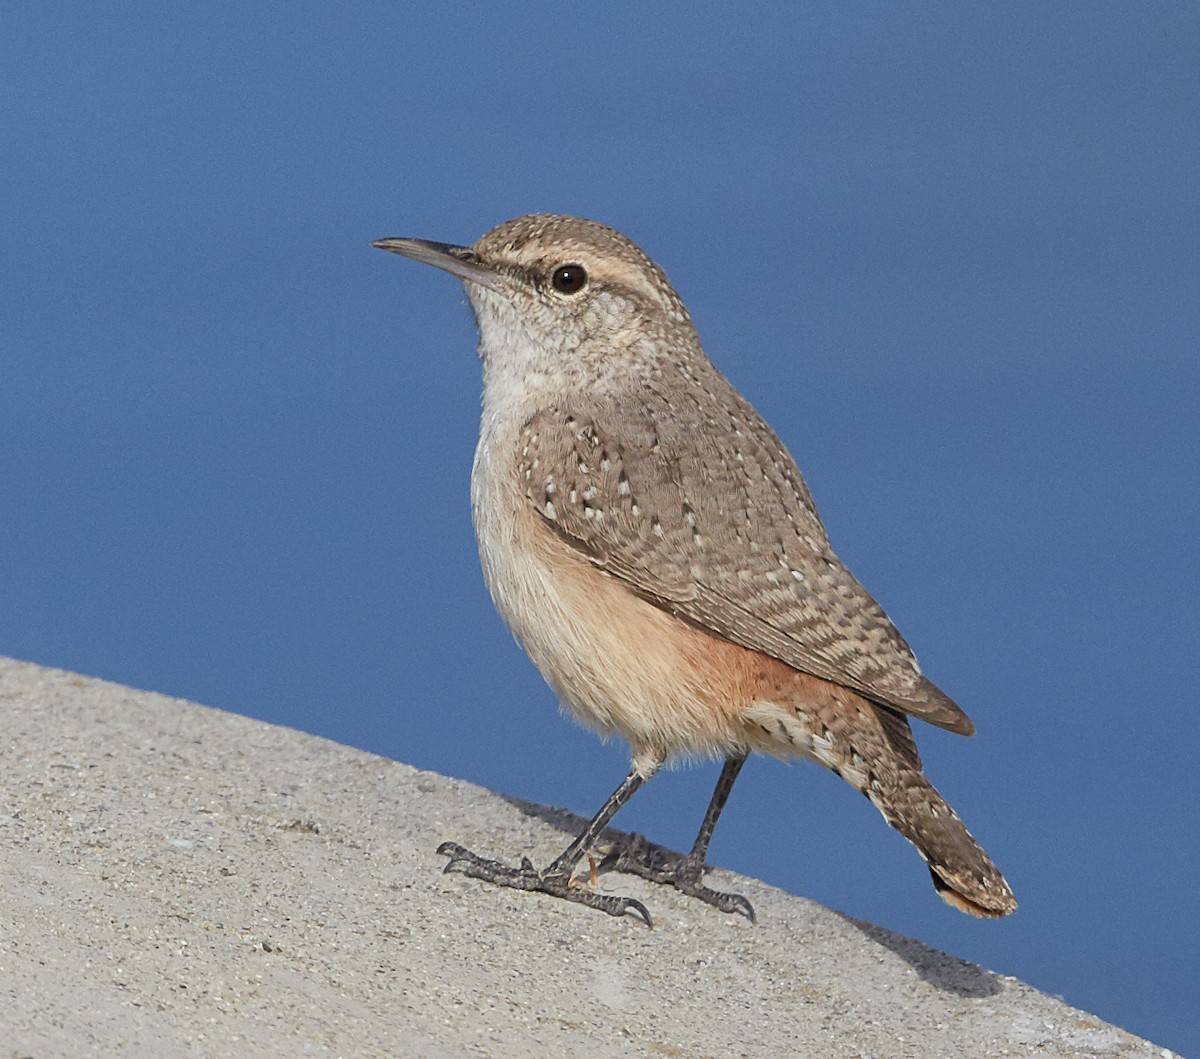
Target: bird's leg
pixel 635 854
pixel 557 879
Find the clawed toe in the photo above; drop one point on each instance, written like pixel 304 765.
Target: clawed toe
pixel 725 902
pixel 631 853
pixel 637 856
pixel 527 877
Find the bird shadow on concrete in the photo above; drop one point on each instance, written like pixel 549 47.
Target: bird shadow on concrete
pixel 940 970
pixel 562 820
pixel 569 823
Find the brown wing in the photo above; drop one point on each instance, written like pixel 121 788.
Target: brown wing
pixel 721 531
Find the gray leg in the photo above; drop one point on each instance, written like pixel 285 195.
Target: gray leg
pixel 556 880
pixel 686 874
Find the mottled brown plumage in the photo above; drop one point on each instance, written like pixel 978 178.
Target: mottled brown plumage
pixel 723 534
pixel 653 546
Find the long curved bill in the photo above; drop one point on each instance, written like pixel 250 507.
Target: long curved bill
pixel 460 261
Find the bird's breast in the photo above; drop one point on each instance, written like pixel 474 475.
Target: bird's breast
pixel 618 663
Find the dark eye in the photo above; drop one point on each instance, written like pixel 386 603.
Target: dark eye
pixel 569 279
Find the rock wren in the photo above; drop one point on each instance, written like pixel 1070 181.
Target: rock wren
pixel 653 547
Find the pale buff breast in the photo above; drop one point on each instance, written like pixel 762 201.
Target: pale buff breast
pixel 619 664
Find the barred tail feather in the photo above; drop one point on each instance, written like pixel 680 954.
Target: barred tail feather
pixel 871 747
pixel 963 874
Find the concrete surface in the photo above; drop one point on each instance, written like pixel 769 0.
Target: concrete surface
pixel 179 881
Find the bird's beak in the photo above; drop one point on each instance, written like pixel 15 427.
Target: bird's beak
pixel 460 261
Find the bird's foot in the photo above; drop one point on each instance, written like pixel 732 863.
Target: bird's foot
pixel 527 877
pixel 637 855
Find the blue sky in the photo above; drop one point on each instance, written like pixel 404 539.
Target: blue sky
pixel 949 252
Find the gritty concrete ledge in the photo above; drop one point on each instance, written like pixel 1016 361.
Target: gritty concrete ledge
pixel 179 881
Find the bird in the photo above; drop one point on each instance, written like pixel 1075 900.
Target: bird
pixel 654 548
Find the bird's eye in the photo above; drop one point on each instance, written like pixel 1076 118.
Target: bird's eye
pixel 569 279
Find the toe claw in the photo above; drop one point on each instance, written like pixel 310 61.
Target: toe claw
pixel 637 856
pixel 460 859
pixel 742 907
pixel 636 908
pixel 556 883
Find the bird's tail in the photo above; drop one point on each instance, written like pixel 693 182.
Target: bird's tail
pixel 872 748
pixel 963 874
